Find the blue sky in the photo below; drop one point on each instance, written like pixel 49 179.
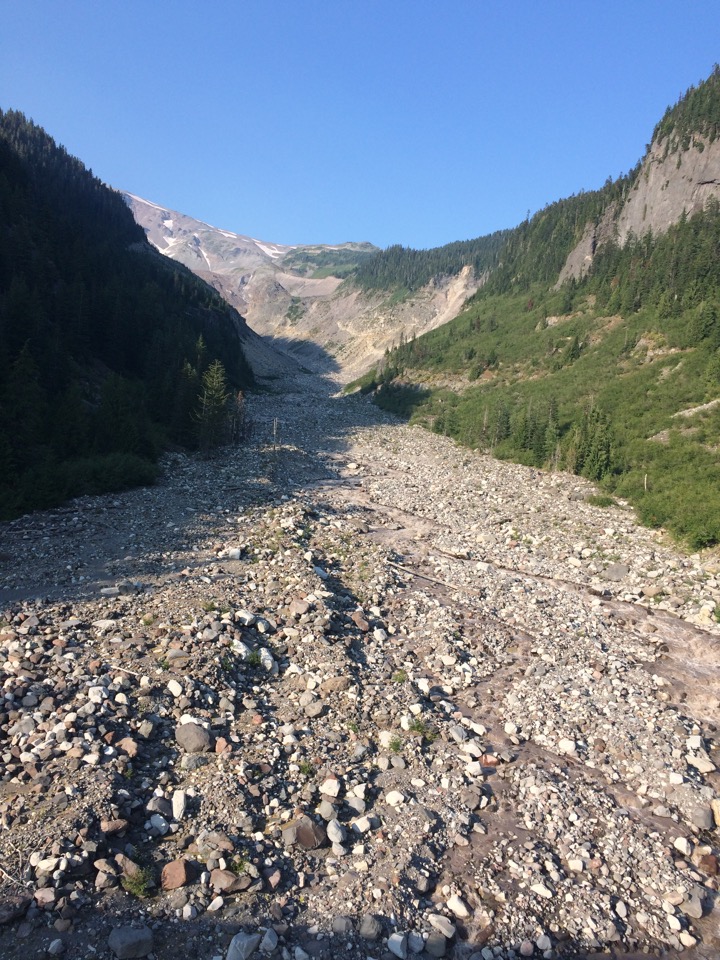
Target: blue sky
pixel 318 121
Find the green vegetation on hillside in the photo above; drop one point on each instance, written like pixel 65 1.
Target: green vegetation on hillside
pixel 103 343
pixel 406 269
pixel 593 377
pixel 696 114
pixel 319 262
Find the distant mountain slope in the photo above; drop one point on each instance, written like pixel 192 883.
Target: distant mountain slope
pixel 103 343
pixel 595 343
pixel 337 306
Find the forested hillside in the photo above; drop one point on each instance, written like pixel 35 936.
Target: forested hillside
pixel 105 347
pixel 601 374
pixel 407 270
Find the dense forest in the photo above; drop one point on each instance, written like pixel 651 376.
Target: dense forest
pixel 407 270
pixel 602 375
pixel 108 351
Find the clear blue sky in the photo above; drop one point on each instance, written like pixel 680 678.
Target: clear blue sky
pixel 318 121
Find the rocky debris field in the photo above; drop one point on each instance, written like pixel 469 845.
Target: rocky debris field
pixel 355 692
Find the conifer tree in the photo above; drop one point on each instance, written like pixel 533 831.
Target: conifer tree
pixel 212 410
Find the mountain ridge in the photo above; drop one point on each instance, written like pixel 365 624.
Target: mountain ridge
pixel 297 293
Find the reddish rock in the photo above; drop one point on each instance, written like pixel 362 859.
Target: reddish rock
pixel 176 874
pixel 273 878
pixel 111 827
pixel 128 746
pixel 360 621
pixel 45 898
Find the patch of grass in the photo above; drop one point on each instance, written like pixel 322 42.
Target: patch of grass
pixel 148 620
pixel 208 605
pixel 396 745
pixel 253 660
pixel 423 730
pixel 601 500
pixel 400 676
pixel 139 884
pixel 307 769
pixel 353 726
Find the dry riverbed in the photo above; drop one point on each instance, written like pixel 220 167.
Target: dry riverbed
pixel 352 691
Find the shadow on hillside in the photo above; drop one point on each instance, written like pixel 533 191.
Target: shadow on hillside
pixel 311 357
pixel 301 434
pixel 299 430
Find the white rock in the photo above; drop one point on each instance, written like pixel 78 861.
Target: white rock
pixel 541 890
pixel 395 798
pixel 442 925
pixel 179 803
pixel 683 846
pixel 457 905
pixel 331 787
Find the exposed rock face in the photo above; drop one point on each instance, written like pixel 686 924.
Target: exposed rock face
pixel 668 184
pixel 324 325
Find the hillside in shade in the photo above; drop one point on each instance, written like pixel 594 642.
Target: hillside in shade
pixel 103 343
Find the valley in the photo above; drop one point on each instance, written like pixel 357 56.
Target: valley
pixel 353 691
pixel 296 295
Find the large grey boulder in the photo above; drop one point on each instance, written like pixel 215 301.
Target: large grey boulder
pixel 128 943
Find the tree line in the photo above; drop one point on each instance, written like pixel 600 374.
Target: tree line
pixel 104 343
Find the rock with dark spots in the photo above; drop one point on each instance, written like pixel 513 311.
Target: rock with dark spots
pixel 130 942
pixel 193 738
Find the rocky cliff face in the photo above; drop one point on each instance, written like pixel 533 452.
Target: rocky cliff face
pixel 670 182
pixel 329 327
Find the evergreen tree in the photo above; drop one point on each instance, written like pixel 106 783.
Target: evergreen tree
pixel 212 410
